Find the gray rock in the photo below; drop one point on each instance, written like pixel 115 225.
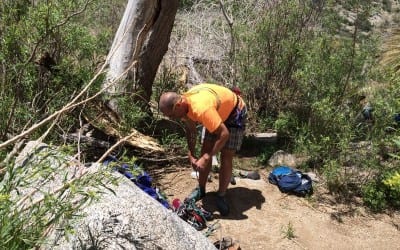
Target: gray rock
pixel 280 157
pixel 41 171
pixel 313 176
pixel 124 218
pixel 130 219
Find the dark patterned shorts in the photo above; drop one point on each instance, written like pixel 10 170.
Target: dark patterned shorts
pixel 236 125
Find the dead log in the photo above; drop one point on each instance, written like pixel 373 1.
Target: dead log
pixel 101 117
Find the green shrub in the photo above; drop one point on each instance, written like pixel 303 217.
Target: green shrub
pixel 333 176
pixel 46 57
pixel 392 185
pixel 132 115
pixel 265 153
pixel 374 196
pixel 175 142
pixel 383 192
pixel 285 124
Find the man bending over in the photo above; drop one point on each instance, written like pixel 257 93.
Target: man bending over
pixel 223 114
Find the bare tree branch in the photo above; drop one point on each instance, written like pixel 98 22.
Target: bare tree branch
pixel 232 51
pixel 228 19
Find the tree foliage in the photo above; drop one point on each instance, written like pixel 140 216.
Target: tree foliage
pixel 46 56
pixel 48 52
pixel 309 70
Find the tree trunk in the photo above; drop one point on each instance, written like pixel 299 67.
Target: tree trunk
pixel 139 45
pixel 138 48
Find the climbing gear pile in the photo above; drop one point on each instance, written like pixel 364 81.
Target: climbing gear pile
pixel 192 213
pixel 197 194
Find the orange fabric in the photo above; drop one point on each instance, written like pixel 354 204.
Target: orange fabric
pixel 210 104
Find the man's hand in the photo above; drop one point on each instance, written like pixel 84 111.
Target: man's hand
pixel 203 162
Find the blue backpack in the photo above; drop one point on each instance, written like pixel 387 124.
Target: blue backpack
pixel 291 181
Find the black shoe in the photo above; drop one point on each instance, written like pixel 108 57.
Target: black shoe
pixel 222 205
pixel 250 175
pixel 197 194
pixel 233 181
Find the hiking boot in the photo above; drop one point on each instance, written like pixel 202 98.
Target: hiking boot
pixel 197 194
pixel 222 205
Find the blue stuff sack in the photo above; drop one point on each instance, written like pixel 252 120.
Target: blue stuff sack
pixel 277 173
pixel 291 181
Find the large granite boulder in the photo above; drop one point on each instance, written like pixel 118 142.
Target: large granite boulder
pixel 129 219
pixel 122 216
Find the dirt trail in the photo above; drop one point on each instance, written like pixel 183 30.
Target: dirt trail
pixel 261 217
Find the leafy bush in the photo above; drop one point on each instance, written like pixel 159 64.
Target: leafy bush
pixel 175 142
pixel 285 124
pixel 333 175
pixel 392 184
pixel 384 192
pixel 374 196
pixel 270 54
pixel 46 56
pixel 303 70
pixel 265 153
pixel 132 115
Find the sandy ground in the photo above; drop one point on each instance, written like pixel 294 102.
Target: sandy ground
pixel 262 217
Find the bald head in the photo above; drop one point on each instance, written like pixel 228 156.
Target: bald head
pixel 167 101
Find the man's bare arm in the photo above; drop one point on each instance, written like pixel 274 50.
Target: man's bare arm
pixel 191 135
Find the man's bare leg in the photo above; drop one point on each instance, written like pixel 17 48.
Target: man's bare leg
pixel 225 173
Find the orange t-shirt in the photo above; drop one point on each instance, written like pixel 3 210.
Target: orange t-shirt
pixel 210 104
